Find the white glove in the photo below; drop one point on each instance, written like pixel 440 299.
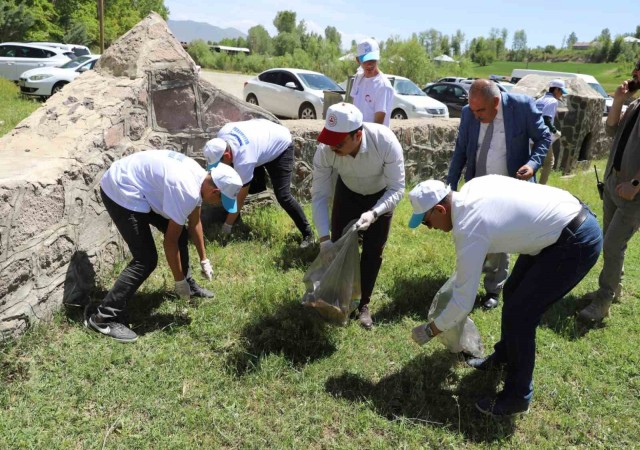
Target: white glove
pixel 183 290
pixel 366 219
pixel 207 270
pixel 419 334
pixel 555 136
pixel 226 229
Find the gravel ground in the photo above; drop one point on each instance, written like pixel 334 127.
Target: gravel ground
pixel 228 82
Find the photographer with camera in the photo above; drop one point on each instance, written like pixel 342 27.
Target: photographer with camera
pixel 621 202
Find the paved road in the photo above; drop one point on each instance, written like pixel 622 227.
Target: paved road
pixel 228 82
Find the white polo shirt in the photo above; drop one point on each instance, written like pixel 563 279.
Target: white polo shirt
pixel 254 143
pixel 163 181
pixel 497 214
pixel 378 165
pixel 372 95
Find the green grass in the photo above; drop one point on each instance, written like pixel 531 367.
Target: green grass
pixel 254 369
pixel 13 106
pixel 608 74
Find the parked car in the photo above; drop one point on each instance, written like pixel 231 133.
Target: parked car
pixel 454 95
pixel 46 81
pixel 409 102
pixel 78 50
pixel 16 57
pixel 293 93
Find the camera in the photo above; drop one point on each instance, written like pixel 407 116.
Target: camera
pixel 633 85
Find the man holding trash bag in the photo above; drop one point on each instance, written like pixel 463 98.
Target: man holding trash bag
pixel 558 239
pixel 368 162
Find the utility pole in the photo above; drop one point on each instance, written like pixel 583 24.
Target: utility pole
pixel 101 22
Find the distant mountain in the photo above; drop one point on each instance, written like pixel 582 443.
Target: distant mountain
pixel 188 30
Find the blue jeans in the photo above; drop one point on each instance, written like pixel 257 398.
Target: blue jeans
pixel 536 283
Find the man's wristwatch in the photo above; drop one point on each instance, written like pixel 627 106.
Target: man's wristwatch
pixel 635 182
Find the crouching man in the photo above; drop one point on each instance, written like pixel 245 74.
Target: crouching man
pixel 165 189
pixel 558 240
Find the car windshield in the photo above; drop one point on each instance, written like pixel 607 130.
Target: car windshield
pixel 407 87
pixel 599 89
pixel 319 82
pixel 75 62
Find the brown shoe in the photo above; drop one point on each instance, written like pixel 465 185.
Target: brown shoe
pixel 365 317
pixel 596 311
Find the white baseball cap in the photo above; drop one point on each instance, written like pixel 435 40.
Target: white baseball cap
pixel 425 196
pixel 213 151
pixel 342 118
pixel 368 50
pixel 558 84
pixel 228 181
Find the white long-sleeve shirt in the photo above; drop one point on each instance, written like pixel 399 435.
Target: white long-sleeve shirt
pixel 379 165
pixel 498 214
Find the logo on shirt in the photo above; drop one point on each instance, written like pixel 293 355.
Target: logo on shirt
pixel 332 120
pixel 367 98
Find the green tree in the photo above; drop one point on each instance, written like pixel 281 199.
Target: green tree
pixel 285 21
pixel 616 49
pixel 519 47
pixel 571 40
pixel 332 35
pixel 15 20
pixel 456 42
pixel 285 43
pixel 259 41
pixel 45 26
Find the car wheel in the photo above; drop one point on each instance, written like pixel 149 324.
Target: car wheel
pixel 252 99
pixel 398 114
pixel 307 111
pixel 57 87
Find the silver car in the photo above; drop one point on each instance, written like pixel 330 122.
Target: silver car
pixel 16 58
pixel 291 93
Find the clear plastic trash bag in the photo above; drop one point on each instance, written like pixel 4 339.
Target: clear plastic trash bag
pixel 464 336
pixel 333 281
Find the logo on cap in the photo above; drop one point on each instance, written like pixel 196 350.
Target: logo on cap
pixel 332 120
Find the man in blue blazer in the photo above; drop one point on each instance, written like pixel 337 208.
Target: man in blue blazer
pixel 494 138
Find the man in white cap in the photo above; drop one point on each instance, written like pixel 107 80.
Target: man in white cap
pixel 251 147
pixel 558 240
pixel 548 107
pixel 368 162
pixel 165 189
pixel 371 91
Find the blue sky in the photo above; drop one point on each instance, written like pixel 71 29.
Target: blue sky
pixel 545 22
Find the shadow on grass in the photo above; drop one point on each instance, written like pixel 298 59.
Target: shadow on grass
pixel 293 331
pixel 421 394
pixel 411 297
pixel 140 313
pixel 292 256
pixel 561 318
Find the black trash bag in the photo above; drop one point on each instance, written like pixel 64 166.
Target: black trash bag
pixel 333 281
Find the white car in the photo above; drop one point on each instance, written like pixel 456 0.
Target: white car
pixel 78 50
pixel 410 102
pixel 17 57
pixel 292 93
pixel 46 81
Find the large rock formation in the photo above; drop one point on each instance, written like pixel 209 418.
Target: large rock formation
pixel 54 233
pixel 579 119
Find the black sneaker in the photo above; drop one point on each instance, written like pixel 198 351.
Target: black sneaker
pixel 115 330
pixel 307 241
pixel 197 290
pixel 501 407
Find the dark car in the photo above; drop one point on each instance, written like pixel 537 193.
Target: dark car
pixel 454 95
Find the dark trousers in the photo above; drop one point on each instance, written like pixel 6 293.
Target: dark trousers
pixel 347 206
pixel 135 229
pixel 280 171
pixel 536 283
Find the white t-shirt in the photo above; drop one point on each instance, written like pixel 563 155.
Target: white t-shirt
pixel 163 181
pixel 378 165
pixel 547 105
pixel 254 143
pixel 497 214
pixel 372 95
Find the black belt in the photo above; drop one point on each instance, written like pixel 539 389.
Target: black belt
pixel 576 221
